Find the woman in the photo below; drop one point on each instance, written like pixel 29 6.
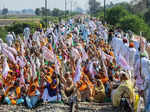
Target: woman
pixel 85 88
pixel 13 94
pixel 33 95
pixel 125 89
pixel 68 89
pixel 99 92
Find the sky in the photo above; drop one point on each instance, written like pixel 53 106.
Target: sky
pixel 33 4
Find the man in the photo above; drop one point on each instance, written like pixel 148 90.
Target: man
pixel 131 59
pixel 141 70
pixel 116 44
pixel 110 35
pixel 146 89
pixel 51 91
pixel 68 89
pixel 9 39
pixel 145 70
pixel 124 49
pixel 26 32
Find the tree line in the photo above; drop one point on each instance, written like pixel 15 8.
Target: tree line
pixel 133 16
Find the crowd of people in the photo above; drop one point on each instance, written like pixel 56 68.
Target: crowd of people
pixel 77 60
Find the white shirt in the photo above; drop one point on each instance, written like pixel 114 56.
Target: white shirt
pixel 116 45
pixel 131 60
pixel 124 51
pixel 9 38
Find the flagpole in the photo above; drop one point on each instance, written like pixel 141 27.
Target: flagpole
pixel 104 9
pixel 46 13
pixel 65 8
pixel 140 55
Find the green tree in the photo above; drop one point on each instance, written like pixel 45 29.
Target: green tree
pixel 93 7
pixel 38 11
pixel 126 6
pixel 3 33
pixel 147 17
pixel 43 11
pixel 135 24
pixel 114 14
pixel 57 12
pixel 5 11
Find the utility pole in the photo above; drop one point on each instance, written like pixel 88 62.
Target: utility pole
pixel 104 9
pixel 46 13
pixel 94 8
pixel 148 4
pixel 65 8
pixel 71 8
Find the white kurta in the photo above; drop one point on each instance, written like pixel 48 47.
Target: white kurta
pixel 131 59
pixel 9 39
pixel 116 45
pixel 124 51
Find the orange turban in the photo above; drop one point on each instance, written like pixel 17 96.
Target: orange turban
pixel 111 53
pixel 131 45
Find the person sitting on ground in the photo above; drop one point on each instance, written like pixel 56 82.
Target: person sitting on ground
pixel 68 88
pixel 85 88
pixel 13 94
pixel 125 89
pixel 33 95
pixel 99 92
pixel 51 91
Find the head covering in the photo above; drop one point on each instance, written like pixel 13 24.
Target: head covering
pixel 111 53
pixel 122 73
pixel 1 41
pixel 143 55
pixel 125 40
pixel 131 45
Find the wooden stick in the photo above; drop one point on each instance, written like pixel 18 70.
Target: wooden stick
pixel 140 55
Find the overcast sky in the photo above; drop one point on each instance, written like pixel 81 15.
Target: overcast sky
pixel 25 4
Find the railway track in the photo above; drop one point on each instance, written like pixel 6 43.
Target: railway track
pixel 54 107
pixel 92 107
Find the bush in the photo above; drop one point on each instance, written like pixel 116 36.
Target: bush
pixel 3 33
pixel 18 27
pixel 50 18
